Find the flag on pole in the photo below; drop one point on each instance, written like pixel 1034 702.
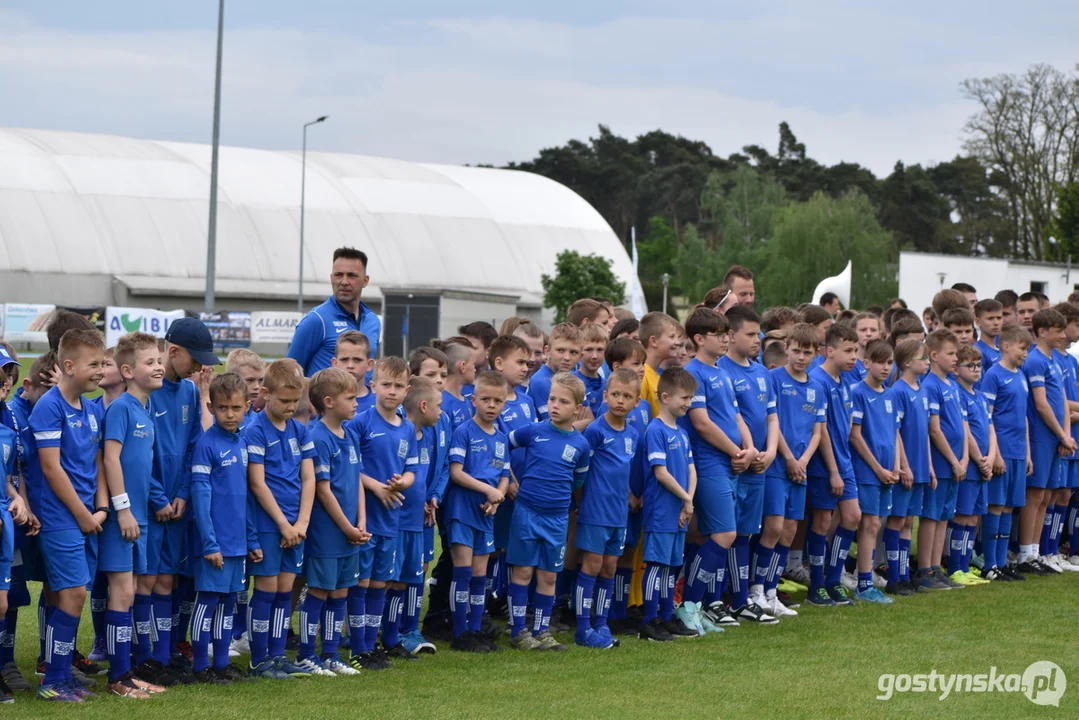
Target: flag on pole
pixel 636 294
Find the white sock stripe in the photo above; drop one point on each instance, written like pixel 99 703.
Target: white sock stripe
pixel 196 623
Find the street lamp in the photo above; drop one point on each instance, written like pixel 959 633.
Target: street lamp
pixel 666 282
pixel 211 237
pixel 303 188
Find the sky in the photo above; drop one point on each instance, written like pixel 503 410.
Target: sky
pixel 476 81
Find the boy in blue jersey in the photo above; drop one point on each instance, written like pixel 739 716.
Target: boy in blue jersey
pixel 555 462
pixel 830 480
pixel 72 499
pixel 949 454
pixel 603 510
pixel 874 436
pixel 281 483
pixel 970 503
pixel 221 529
pixel 563 352
pixel 482 335
pixel 960 321
pixel 911 361
pixel 800 405
pixel 390 460
pixel 867 325
pixel 177 412
pixel 352 353
pixel 128 460
pixel 1005 387
pixel 415 545
pixel 12 510
pixel 822 320
pixel 989 315
pixel 719 439
pixel 1064 497
pixel 629 354
pixel 593 344
pixel 670 484
pixel 252 368
pixel 338 523
pixel 479 473
pixel 757 407
pixel 460 372
pixel 1050 434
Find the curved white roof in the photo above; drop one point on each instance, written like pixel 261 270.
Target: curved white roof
pixel 137 209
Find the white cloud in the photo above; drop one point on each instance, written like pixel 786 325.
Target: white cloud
pixel 491 90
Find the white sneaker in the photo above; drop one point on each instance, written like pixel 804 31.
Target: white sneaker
pixel 879 581
pixel 315 667
pixel 1066 564
pixel 1050 562
pixel 800 575
pixel 339 667
pixel 850 580
pixel 241 646
pixel 776 607
pixel 1074 559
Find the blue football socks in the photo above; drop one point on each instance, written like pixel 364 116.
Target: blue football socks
pixel 837 554
pixel 259 632
pixel 310 620
pixel 99 598
pixel 702 571
pixel 543 605
pixel 357 620
pixel 202 628
pixel 62 630
pixel 161 610
pixel 376 601
pixel 582 600
pixel 391 621
pixel 333 619
pixel 477 603
pixel 459 598
pixel 226 608
pixel 517 598
pixel 891 554
pixel 282 613
pixel 602 607
pixel 816 545
pixel 653 576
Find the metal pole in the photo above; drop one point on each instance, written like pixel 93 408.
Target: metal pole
pixel 303 190
pixel 211 239
pixel 666 281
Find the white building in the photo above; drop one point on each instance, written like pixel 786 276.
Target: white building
pixel 102 220
pixel 923 275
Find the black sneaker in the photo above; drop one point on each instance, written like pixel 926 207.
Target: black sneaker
pixel 755 613
pixel 678 628
pixel 916 587
pixel 368 661
pixel 491 642
pixel 496 607
pixel 491 629
pixel 177 667
pixel 1013 573
pixel 437 628
pixel 839 595
pixel 233 673
pixel 558 622
pixel 208 676
pixel 654 631
pixel 620 626
pixel 995 574
pixel 398 652
pixel 898 588
pixel 1032 567
pixel 468 641
pixel 382 657
pixel 718 613
pixel 155 673
pixel 85 665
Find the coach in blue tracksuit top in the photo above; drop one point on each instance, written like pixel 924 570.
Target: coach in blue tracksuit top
pixel 315 338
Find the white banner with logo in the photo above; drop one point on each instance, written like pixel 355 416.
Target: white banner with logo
pixel 120 321
pixel 273 327
pixel 24 322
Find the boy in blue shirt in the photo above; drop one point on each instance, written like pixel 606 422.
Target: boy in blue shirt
pixel 338 523
pixel 460 372
pixel 757 407
pixel 1005 387
pixel 1050 434
pixel 281 481
pixel 989 315
pixel 563 352
pixel 177 412
pixel 390 460
pixel 222 530
pixel 970 503
pixel 593 344
pixel 800 405
pixel 72 499
pixel 1069 477
pixel 949 454
pixel 128 460
pixel 874 436
pixel 352 353
pixel 12 510
pixel 479 473
pixel 830 480
pixel 602 510
pixel 555 461
pixel 719 440
pixel 670 482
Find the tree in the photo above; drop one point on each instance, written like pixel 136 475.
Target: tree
pixel 813 240
pixel 1066 223
pixel 913 209
pixel 577 276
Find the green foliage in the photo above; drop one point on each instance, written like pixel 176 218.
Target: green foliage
pixel 1066 223
pixel 577 276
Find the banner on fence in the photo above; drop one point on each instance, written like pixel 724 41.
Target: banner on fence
pixel 93 313
pixel 273 327
pixel 24 322
pixel 120 321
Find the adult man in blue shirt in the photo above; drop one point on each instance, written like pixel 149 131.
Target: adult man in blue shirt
pixel 316 336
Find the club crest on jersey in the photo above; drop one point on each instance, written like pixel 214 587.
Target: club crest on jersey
pixel 402 449
pixel 183 414
pixel 294 446
pixel 762 384
pixel 527 411
pixel 442 438
pixel 93 423
pixel 925 404
pixel 569 453
pixel 888 406
pixel 352 458
pixel 811 395
pixel 7 453
pixel 243 456
pixel 629 446
pixel 500 450
pixel 425 459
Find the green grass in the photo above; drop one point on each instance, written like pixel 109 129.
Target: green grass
pixel 824 663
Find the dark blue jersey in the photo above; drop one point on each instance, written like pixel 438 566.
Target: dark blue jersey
pixel 485 457
pixel 605 496
pixel 438 478
pixel 411 516
pixel 593 391
pixel 387 450
pixel 128 422
pixel 177 411
pixel 219 494
pixel 801 407
pixel 281 453
pixel 77 433
pixel 337 462
pixel 554 461
pixel 518 412
pixel 666 447
pixel 8 460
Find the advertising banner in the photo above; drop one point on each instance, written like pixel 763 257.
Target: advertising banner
pixel 273 327
pixel 120 321
pixel 229 328
pixel 24 322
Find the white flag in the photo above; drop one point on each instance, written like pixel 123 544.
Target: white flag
pixel 636 294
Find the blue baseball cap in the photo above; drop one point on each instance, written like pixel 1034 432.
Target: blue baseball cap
pixel 6 359
pixel 192 335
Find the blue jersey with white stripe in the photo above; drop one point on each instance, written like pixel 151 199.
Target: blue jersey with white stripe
pixel 485 457
pixel 539 389
pixel 518 412
pixel 605 495
pixel 944 402
pixel 756 401
pixel 666 447
pixel 219 494
pixel 128 422
pixel 387 450
pixel 459 411
pixel 837 409
pixel 177 410
pixel 1044 372
pixel 801 407
pixel 555 461
pixel 875 412
pixel 281 453
pixel 337 462
pixel 8 456
pixel 912 409
pixel 1007 392
pixel 715 393
pixel 980 423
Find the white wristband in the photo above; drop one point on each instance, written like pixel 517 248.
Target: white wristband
pixel 120 502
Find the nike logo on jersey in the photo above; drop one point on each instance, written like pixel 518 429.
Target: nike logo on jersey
pixel 542 439
pixel 336 453
pixel 341 330
pixel 375 435
pixel 608 441
pixel 271 444
pixel 872 400
pixel 139 426
pixel 159 414
pixel 225 453
pixel 70 415
pixel 712 378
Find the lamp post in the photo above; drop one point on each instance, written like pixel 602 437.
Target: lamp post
pixel 303 189
pixel 211 237
pixel 666 282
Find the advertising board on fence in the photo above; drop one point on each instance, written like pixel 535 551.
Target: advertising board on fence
pixel 228 328
pixel 273 327
pixel 24 322
pixel 120 321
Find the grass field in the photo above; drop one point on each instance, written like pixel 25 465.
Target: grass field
pixel 824 663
